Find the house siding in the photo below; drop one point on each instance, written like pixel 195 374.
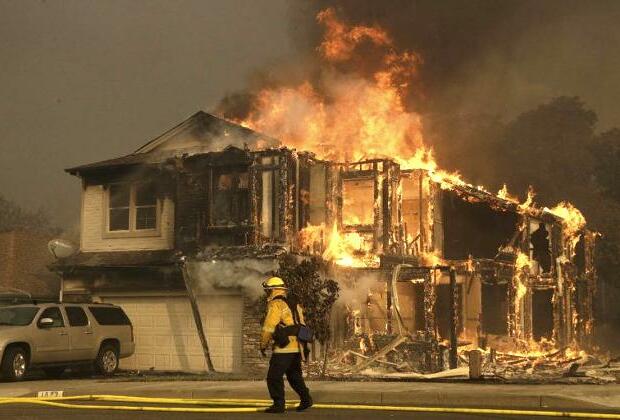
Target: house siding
pixel 93 239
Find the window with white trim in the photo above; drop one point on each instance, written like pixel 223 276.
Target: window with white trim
pixel 132 207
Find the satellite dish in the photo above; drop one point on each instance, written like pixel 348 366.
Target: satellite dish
pixel 61 248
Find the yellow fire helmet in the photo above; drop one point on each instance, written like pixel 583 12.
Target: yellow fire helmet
pixel 274 283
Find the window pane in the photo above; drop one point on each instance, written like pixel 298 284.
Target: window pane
pixel 146 217
pixel 119 219
pixel 18 316
pixel 224 182
pixel 109 315
pixel 146 195
pixel 77 316
pixel 53 313
pixel 119 195
pixel 222 198
pixel 243 180
pixel 358 202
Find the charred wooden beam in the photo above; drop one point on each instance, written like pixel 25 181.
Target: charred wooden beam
pixel 453 320
pixel 196 314
pixel 377 245
pixel 255 190
pixel 420 175
pixel 382 353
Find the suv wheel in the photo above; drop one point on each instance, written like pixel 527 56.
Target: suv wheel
pixel 107 360
pixel 14 363
pixel 54 372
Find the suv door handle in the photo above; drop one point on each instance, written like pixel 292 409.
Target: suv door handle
pixel 63 333
pixel 88 332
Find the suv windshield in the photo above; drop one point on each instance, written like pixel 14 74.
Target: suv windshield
pixel 18 316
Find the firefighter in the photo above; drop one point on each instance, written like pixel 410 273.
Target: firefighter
pixel 286 356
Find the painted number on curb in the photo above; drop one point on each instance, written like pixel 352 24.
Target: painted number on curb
pixel 50 394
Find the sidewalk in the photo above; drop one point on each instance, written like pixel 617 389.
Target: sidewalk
pixel 557 397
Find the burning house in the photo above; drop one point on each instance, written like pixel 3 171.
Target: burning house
pixel 420 255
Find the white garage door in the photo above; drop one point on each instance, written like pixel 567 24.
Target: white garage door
pixel 166 337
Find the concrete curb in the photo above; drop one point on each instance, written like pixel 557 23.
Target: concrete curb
pixel 460 398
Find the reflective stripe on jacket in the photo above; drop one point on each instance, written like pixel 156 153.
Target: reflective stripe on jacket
pixel 279 312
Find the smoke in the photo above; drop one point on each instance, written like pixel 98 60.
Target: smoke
pixel 481 62
pixel 246 275
pixel 354 292
pixel 480 53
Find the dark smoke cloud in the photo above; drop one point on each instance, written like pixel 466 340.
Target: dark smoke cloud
pixel 484 63
pixel 480 56
pixel 507 44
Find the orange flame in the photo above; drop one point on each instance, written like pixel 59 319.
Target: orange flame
pixel 573 220
pixel 505 195
pixel 522 264
pixel 349 249
pixel 347 117
pixel 340 40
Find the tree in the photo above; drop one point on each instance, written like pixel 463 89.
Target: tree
pixel 606 150
pixel 314 293
pixel 12 217
pixel 468 144
pixel 549 148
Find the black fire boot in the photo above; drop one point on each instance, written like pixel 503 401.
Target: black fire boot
pixel 275 409
pixel 305 404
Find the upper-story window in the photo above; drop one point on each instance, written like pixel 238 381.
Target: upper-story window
pixel 132 207
pixel 231 198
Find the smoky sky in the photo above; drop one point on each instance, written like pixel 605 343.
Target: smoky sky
pixel 500 56
pixel 83 81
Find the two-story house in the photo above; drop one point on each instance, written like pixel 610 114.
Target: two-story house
pixel 234 200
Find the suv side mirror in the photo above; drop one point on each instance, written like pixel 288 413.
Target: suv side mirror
pixel 46 322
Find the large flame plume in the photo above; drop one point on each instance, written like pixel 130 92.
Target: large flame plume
pixel 348 116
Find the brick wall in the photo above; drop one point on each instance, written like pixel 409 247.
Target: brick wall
pixel 23 264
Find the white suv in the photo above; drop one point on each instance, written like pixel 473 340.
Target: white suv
pixel 54 336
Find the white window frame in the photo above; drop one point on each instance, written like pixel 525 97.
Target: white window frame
pixel 132 232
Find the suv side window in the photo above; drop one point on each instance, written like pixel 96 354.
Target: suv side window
pixel 109 315
pixel 53 313
pixel 77 316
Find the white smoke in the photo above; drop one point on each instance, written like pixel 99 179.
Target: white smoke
pixel 215 276
pixel 354 292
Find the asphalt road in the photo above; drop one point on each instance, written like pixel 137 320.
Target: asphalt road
pixel 31 413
